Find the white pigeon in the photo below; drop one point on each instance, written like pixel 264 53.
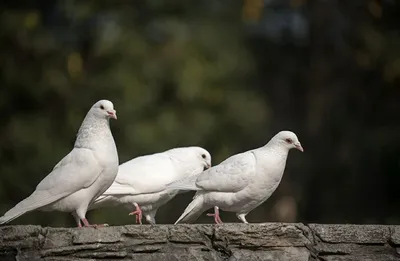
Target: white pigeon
pixel 140 183
pixel 240 183
pixel 82 175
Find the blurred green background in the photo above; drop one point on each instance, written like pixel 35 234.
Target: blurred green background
pixel 224 75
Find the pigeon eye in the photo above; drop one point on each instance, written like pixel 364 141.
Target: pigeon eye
pixel 102 107
pixel 288 140
pixel 203 156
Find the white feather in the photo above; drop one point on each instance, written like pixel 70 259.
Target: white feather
pixel 143 180
pixel 242 182
pixel 82 175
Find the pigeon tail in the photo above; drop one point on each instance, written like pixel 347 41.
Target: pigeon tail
pixel 103 201
pixel 193 211
pixel 36 200
pixel 188 183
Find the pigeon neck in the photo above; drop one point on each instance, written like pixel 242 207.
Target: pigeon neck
pixel 277 149
pixel 92 132
pixel 179 163
pixel 275 161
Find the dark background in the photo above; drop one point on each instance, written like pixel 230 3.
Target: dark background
pixel 224 75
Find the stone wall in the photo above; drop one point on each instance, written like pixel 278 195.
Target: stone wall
pixel 267 241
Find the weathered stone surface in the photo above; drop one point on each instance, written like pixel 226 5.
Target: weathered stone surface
pixel 395 234
pixel 104 235
pixel 262 235
pixel 21 236
pixel 232 242
pixel 273 254
pixel 360 257
pixel 198 234
pixel 58 237
pixel 371 234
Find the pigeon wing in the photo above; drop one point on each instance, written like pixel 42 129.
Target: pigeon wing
pixel 78 170
pixel 231 175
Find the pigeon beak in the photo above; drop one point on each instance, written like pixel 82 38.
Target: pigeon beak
pixel 299 147
pixel 207 166
pixel 112 114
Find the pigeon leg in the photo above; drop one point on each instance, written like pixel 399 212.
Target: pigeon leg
pixel 77 219
pixel 150 219
pixel 86 224
pixel 151 216
pixel 138 212
pixel 216 216
pixel 242 217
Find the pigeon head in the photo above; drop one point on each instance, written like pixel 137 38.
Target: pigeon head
pixel 199 157
pixel 104 109
pixel 288 139
pixel 194 158
pixel 204 157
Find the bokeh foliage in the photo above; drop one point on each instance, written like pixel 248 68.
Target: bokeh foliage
pixel 225 75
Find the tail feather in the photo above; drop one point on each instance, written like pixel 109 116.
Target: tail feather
pixel 36 200
pixel 193 210
pixel 188 183
pixel 103 201
pixel 5 219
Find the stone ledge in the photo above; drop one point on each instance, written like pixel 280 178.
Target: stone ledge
pixel 265 241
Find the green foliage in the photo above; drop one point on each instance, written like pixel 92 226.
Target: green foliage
pixel 174 80
pixel 224 75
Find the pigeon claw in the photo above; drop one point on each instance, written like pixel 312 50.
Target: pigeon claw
pixel 216 216
pixel 86 224
pixel 139 214
pixel 217 219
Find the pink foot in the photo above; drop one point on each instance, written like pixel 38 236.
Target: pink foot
pixel 138 213
pixel 86 224
pixel 216 216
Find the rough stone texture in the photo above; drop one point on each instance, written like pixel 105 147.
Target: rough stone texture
pixel 231 242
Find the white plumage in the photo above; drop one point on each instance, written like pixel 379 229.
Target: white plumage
pixel 141 182
pixel 240 183
pixel 82 175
